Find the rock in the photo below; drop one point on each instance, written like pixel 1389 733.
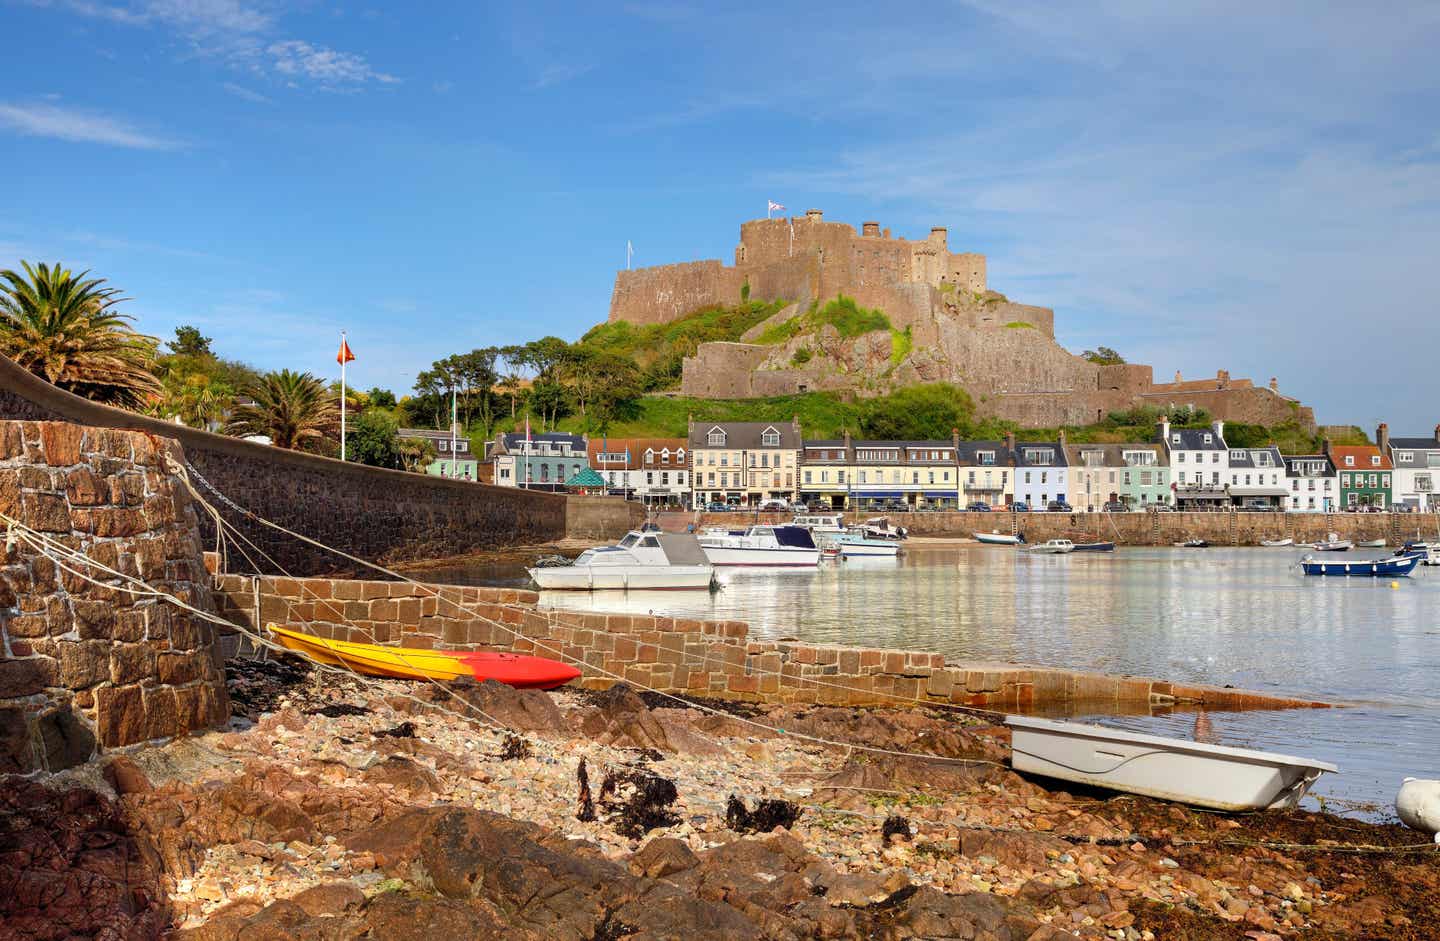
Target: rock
pixel 525 710
pixel 125 776
pixel 661 857
pixel 329 898
pixel 404 774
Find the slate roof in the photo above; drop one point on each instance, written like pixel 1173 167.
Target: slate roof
pixel 637 448
pixel 1193 439
pixel 744 435
pixel 1054 446
pixel 1291 460
pixel 1113 455
pixel 1248 458
pixel 969 449
pixel 514 439
pixel 1414 444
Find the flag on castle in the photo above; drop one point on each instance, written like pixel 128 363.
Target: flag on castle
pixel 772 206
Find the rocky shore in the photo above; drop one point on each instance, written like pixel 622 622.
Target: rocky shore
pixel 335 808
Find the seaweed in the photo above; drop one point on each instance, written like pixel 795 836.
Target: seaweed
pixel 647 805
pixel 403 730
pixel 768 815
pixel 335 710
pixel 586 811
pixel 513 748
pixel 895 826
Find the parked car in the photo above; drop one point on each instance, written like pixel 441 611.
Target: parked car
pixel 798 507
pixel 774 506
pixel 978 507
pixel 1161 508
pixel 717 508
pixel 1059 506
pixel 1115 506
pixel 1019 507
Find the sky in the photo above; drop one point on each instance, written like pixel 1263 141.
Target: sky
pixel 1201 186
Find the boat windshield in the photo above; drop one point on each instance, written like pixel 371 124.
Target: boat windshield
pixel 629 541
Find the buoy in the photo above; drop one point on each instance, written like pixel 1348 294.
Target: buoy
pixel 1394 584
pixel 1418 805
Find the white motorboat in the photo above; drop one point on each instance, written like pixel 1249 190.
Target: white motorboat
pixel 1277 543
pixel 1053 547
pixel 1370 544
pixel 820 524
pixel 860 543
pixel 998 539
pixel 643 560
pixel 1333 543
pixel 1168 768
pixel 1428 552
pixel 761 545
pixel 880 527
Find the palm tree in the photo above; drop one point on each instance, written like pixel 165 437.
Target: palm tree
pixel 417 453
pixel 289 408
pixel 64 328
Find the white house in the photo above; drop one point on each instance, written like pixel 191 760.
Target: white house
pixel 1199 465
pixel 1041 472
pixel 653 470
pixel 1417 470
pixel 1313 482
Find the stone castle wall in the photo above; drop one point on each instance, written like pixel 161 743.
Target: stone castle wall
pixel 676 655
pixel 666 293
pixel 376 514
pixel 84 665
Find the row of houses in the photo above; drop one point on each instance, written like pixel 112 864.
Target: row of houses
pixel 754 463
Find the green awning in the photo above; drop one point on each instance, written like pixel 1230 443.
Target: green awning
pixel 586 478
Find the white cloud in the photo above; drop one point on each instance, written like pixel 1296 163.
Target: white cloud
pixel 68 124
pixel 240 91
pixel 295 58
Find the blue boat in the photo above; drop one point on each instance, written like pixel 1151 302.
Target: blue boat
pixel 1398 565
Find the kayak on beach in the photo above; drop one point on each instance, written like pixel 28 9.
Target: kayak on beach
pixel 513 669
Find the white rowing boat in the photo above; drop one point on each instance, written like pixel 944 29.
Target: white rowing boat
pixel 998 539
pixel 1277 543
pixel 1168 768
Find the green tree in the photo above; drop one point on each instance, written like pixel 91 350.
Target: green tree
pixel 374 439
pixel 512 373
pixel 416 454
pixel 381 398
pixel 1104 356
pixel 292 409
pixel 918 413
pixel 64 328
pixel 189 342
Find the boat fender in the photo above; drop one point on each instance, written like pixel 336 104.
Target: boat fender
pixel 1418 805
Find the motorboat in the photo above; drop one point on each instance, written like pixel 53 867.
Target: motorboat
pixel 1370 544
pixel 1053 547
pixel 413 663
pixel 1333 543
pixel 858 542
pixel 1429 552
pixel 820 523
pixel 761 545
pixel 1277 543
pixel 1394 566
pixel 1214 776
pixel 1094 547
pixel 643 560
pixel 1191 544
pixel 880 527
pixel 999 539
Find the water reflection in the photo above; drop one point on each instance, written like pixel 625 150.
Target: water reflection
pixel 1245 617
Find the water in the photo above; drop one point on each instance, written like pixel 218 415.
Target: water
pixel 1239 616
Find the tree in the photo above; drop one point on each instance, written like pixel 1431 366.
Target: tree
pixel 512 375
pixel 374 439
pixel 189 342
pixel 1104 356
pixel 918 413
pixel 416 453
pixel 381 398
pixel 291 409
pixel 64 328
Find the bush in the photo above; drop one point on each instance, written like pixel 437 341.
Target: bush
pixel 901 343
pixel 801 356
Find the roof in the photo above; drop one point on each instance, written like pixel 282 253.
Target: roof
pixel 1193 439
pixel 1362 453
pixel 586 478
pixel 1022 461
pixel 970 449
pixel 512 439
pixel 1248 456
pixel 1113 453
pixel 745 434
pixel 1415 444
pixel 1292 459
pixel 634 449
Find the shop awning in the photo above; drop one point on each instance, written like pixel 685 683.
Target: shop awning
pixel 1257 491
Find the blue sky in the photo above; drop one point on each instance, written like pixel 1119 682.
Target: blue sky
pixel 1222 185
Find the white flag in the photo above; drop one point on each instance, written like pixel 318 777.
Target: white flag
pixel 774 206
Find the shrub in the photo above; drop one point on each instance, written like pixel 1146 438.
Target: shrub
pixel 801 356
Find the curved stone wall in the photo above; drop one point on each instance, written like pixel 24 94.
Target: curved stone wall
pixel 376 514
pixel 84 665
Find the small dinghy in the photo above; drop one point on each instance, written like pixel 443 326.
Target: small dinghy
pixel 1371 544
pixel 1418 806
pixel 413 663
pixel 1393 566
pixel 1094 547
pixel 1333 543
pixel 999 539
pixel 1053 547
pixel 1277 543
pixel 1191 544
pixel 1173 769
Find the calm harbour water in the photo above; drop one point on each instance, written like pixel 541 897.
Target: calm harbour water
pixel 1245 617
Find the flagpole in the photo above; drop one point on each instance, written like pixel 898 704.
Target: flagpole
pixel 454 420
pixel 342 396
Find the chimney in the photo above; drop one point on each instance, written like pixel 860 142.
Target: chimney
pixel 1062 438
pixel 870 229
pixel 1274 384
pixel 1010 442
pixel 1325 445
pixel 1437 434
pixel 955 440
pixel 1165 430
pixel 849 451
pixel 814 215
pixel 1219 427
pixel 1177 376
pixel 885 234
pixel 1382 438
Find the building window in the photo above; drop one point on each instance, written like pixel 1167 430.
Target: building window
pixel 985 458
pixel 771 438
pixel 665 478
pixel 649 478
pixel 1374 460
pixel 1349 460
pixel 807 477
pixel 716 438
pixel 862 476
pixel 725 460
pixel 1405 457
pixel 649 456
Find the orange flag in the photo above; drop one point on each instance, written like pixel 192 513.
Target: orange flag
pixel 344 356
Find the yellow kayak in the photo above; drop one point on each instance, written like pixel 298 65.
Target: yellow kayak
pixel 414 663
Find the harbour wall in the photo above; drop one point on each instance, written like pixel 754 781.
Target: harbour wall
pixel 1127 529
pixel 682 656
pixel 370 512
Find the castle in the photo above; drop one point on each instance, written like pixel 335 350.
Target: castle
pixel 945 326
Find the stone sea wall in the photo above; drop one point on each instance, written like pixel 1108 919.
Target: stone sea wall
pixel 677 655
pixel 85 665
pixel 369 512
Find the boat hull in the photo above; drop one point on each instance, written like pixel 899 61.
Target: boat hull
pixel 1094 547
pixel 518 670
pixel 1170 769
pixel 1277 543
pixel 622 578
pixel 768 557
pixel 997 539
pixel 1383 568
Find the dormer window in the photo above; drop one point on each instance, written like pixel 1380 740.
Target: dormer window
pixel 649 456
pixel 770 438
pixel 665 456
pixel 985 458
pixel 1374 460
pixel 1174 439
pixel 1039 455
pixel 716 438
pixel 1209 438
pixel 680 456
pixel 1350 460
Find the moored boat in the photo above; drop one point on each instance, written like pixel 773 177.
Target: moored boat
pixel 999 539
pixel 1191 544
pixel 1393 566
pixel 1094 547
pixel 1429 552
pixel 859 543
pixel 880 527
pixel 412 663
pixel 1333 543
pixel 1053 547
pixel 820 523
pixel 644 560
pixel 1370 544
pixel 1277 543
pixel 1214 776
pixel 761 546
